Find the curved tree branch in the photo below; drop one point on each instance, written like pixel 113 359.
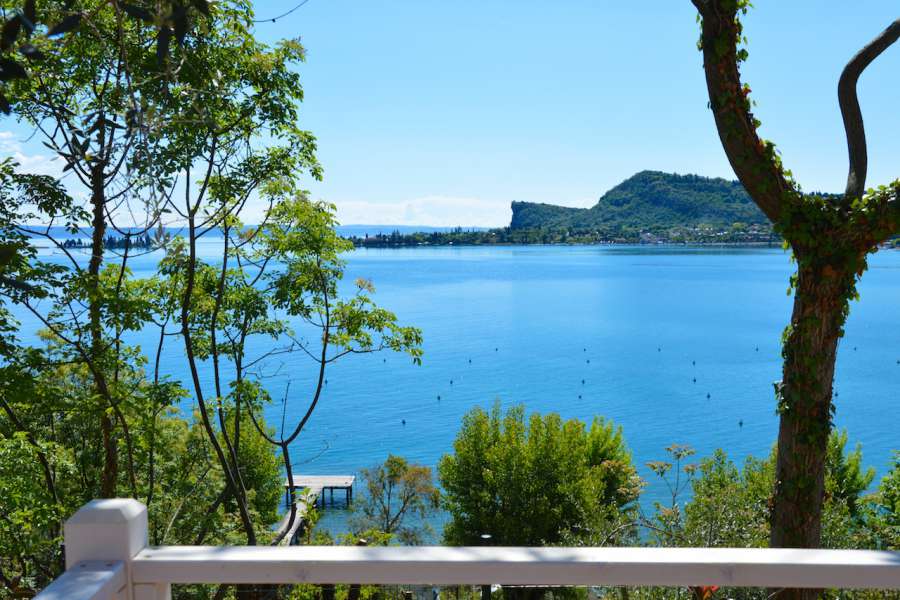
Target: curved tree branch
pixel 851 113
pixel 753 160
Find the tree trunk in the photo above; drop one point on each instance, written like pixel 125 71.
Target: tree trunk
pixel 98 223
pixel 805 406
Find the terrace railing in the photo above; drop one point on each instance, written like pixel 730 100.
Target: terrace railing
pixel 107 558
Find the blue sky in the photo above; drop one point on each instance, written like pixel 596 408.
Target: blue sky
pixel 441 113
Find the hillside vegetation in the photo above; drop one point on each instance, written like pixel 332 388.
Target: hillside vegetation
pixel 649 201
pixel 648 207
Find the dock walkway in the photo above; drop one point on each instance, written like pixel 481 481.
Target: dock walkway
pixel 313 487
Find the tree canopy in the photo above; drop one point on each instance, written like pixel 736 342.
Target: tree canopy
pixel 535 481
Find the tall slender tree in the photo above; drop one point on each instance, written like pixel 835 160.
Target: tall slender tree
pixel 831 237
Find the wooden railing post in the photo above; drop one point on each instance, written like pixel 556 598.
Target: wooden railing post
pixel 113 529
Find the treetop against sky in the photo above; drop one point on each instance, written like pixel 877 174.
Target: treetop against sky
pixel 433 113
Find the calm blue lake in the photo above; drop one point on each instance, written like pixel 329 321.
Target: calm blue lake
pixel 528 324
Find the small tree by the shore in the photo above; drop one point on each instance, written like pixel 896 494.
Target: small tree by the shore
pixel 399 498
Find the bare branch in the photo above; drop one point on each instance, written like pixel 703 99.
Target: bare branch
pixel 851 113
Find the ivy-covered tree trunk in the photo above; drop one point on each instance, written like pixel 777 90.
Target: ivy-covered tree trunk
pixel 830 235
pixel 805 403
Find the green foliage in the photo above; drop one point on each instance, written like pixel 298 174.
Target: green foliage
pixel 193 129
pixel 537 482
pixel 301 234
pixel 730 505
pixel 398 499
pixel 30 533
pixel 846 480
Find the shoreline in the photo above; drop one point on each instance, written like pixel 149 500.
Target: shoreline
pixel 575 244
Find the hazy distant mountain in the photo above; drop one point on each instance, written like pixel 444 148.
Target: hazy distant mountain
pixel 649 200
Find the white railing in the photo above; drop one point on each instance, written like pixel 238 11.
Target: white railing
pixel 107 558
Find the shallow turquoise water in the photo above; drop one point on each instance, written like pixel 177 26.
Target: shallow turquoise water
pixel 530 318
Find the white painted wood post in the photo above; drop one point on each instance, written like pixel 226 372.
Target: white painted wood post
pixel 113 529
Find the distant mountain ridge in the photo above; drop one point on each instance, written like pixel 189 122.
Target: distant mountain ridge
pixel 649 201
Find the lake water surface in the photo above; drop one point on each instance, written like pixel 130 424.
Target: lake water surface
pixel 528 324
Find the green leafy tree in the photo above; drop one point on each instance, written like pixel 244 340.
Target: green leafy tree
pixel 831 237
pixel 152 131
pixel 398 499
pixel 540 481
pixel 730 505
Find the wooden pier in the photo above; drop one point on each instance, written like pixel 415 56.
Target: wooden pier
pixel 311 488
pixel 317 485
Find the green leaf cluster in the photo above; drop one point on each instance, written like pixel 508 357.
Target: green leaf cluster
pixel 535 481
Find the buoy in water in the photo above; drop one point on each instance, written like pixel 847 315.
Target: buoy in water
pixel 403 421
pixel 708 396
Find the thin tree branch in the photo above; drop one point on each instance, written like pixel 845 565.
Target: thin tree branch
pixel 851 113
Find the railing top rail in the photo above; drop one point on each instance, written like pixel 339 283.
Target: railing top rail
pixel 86 581
pixel 107 556
pixel 520 566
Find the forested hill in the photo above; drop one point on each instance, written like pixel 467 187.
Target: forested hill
pixel 649 201
pixel 649 207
